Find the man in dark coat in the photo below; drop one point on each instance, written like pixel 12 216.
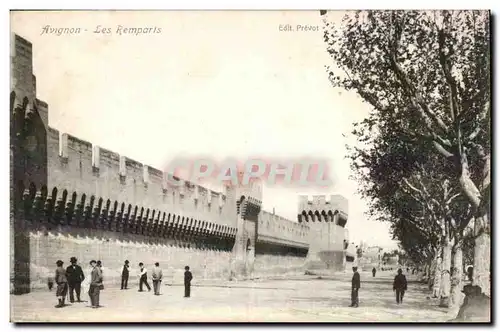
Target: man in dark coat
pixel 355 286
pixel 75 277
pixel 95 284
pixel 476 306
pixel 374 271
pixel 188 276
pixel 125 275
pixel 62 283
pixel 399 286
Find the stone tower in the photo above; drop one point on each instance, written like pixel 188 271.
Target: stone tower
pixel 249 203
pixel 28 152
pixel 326 217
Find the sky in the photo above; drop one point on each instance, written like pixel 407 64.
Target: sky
pixel 213 84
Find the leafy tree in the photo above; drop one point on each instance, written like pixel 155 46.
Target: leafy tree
pixel 426 76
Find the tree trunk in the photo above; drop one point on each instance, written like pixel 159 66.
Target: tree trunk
pixel 437 275
pixel 427 271
pixel 480 201
pixel 431 272
pixel 456 295
pixel 482 247
pixel 445 272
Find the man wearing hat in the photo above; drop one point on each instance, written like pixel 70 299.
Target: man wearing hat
pixel 476 306
pixel 125 275
pixel 400 286
pixel 62 283
pixel 75 277
pixel 355 286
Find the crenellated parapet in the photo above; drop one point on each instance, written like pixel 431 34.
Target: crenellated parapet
pixel 323 208
pixel 327 217
pixel 81 166
pixel 56 209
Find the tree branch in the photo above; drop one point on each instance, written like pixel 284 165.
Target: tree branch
pixel 452 198
pixel 474 133
pixel 446 67
pixel 411 187
pixel 415 97
pixel 412 92
pixel 442 150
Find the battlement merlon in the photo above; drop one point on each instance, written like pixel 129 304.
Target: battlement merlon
pixel 323 208
pixel 18 43
pixel 123 165
pixel 22 80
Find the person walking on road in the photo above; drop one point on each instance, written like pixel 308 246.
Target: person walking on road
pixel 75 277
pixel 400 286
pixel 125 275
pixel 157 275
pixel 355 286
pixel 374 271
pixel 143 277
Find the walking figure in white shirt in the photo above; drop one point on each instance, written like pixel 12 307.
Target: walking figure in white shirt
pixel 143 278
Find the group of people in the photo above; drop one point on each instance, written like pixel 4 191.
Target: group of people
pixel 156 276
pixel 71 280
pixel 399 286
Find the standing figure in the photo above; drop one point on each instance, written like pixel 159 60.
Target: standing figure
pixel 125 274
pixel 476 306
pixel 470 273
pixel 62 283
pixel 355 286
pixel 187 282
pixel 75 278
pixel 86 282
pixel 157 275
pixel 99 266
pixel 95 284
pixel 374 271
pixel 143 277
pixel 400 286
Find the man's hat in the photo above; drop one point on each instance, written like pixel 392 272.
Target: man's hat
pixel 93 261
pixel 472 289
pixel 59 262
pixel 72 259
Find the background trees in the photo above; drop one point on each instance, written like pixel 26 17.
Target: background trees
pixel 423 153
